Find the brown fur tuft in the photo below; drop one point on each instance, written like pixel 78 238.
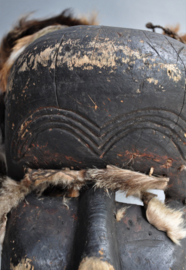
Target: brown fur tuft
pixel 24 33
pixel 146 197
pixel 120 179
pixel 73 193
pixel 94 263
pixel 176 30
pixel 11 194
pixel 166 219
pixel 42 179
pixel 20 45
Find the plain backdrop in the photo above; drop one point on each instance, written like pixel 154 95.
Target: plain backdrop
pixel 121 13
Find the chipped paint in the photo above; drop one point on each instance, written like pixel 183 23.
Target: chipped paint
pixel 94 263
pixel 44 58
pixel 131 53
pixel 101 252
pixel 97 53
pixel 100 54
pixel 152 80
pixel 173 71
pixel 88 68
pixel 104 55
pixel 101 61
pixel 25 264
pixel 124 60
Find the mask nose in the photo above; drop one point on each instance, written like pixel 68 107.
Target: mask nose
pixel 95 244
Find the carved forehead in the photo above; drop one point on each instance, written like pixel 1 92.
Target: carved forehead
pixel 104 92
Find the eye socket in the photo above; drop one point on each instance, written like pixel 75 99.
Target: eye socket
pixel 120 196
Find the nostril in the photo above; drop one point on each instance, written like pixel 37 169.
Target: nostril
pixel 130 223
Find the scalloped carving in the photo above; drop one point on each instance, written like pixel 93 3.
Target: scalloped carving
pixel 98 139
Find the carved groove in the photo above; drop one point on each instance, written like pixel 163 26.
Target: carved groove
pixel 98 140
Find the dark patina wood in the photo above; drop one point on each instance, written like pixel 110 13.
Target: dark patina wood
pixel 91 96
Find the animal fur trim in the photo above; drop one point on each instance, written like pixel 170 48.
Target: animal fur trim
pixel 11 193
pixel 19 47
pixel 42 179
pixel 120 179
pixel 94 263
pixel 113 178
pixel 73 193
pixel 3 229
pixel 169 31
pixel 146 197
pixel 25 32
pixel 166 219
